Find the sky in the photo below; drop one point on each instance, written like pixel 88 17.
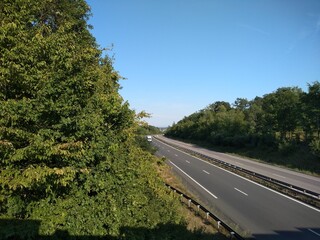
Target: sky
pixel 179 56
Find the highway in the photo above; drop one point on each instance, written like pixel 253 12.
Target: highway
pixel 292 177
pixel 254 209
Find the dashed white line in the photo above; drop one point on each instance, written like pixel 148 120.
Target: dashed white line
pixel 195 181
pixel 318 234
pixel 269 189
pixel 168 150
pixel 205 171
pixel 187 161
pixel 176 155
pixel 241 191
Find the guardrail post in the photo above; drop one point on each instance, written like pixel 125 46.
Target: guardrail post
pixel 198 206
pixel 207 215
pixel 219 224
pixel 189 203
pixel 231 235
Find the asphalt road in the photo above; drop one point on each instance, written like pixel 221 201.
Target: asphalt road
pixel 295 178
pixel 261 212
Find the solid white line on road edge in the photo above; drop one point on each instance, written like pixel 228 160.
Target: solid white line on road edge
pixel 187 161
pixel 258 184
pixel 195 181
pixel 318 234
pixel 241 191
pixel 206 172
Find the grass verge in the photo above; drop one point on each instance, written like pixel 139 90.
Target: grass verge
pixel 195 222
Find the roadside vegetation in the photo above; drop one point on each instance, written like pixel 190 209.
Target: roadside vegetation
pixel 71 164
pixel 282 127
pixel 142 132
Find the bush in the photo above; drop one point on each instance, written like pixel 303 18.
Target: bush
pixel 315 147
pixel 286 147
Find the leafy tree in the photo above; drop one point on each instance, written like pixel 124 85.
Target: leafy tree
pixel 276 119
pixel 241 104
pixel 253 115
pixel 67 150
pixel 312 107
pixel 219 106
pixel 311 116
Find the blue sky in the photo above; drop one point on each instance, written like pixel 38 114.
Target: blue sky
pixel 178 56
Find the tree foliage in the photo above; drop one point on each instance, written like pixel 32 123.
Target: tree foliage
pixel 282 119
pixel 67 149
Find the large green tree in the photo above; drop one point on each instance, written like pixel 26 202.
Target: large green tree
pixel 67 153
pixel 283 118
pixel 282 110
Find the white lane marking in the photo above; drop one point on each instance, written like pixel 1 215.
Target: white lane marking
pixel 168 150
pixel 281 194
pixel 176 155
pixel 318 234
pixel 278 175
pixel 195 181
pixel 241 191
pixel 206 172
pixel 187 161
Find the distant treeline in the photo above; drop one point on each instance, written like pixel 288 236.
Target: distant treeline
pixel 282 120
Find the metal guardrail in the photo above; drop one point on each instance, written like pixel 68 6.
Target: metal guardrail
pixel 233 234
pixel 265 178
pixel 297 189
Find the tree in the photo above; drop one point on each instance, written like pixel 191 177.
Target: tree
pixel 219 106
pixel 241 104
pixel 282 110
pixel 311 116
pixel 67 151
pixel 312 102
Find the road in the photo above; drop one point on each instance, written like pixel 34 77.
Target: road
pixel 261 212
pixel 295 178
